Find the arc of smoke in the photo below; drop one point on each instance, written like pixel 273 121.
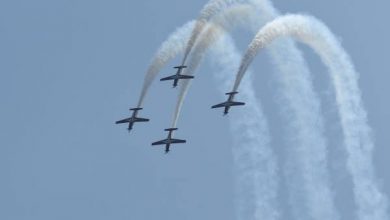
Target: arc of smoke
pixel 255 161
pixel 255 135
pixel 220 25
pixel 167 50
pixel 174 45
pixel 372 204
pixel 212 8
pixel 311 153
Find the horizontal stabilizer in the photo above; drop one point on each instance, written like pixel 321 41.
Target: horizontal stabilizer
pixel 180 67
pixel 170 129
pixel 135 109
pixel 231 93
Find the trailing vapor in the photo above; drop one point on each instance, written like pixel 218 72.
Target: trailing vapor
pixel 255 161
pixel 168 50
pixel 371 203
pixel 256 166
pixel 212 8
pixel 307 119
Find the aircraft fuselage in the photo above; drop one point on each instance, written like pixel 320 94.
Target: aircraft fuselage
pixel 229 103
pixel 132 119
pixel 169 140
pixel 176 77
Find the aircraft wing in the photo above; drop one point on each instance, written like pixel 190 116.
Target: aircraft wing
pixel 127 120
pixel 219 105
pixel 177 141
pixel 168 78
pixel 162 142
pixel 142 119
pixel 237 103
pixel 186 77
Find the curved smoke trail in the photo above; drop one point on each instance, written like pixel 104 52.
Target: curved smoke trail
pixel 174 45
pixel 372 204
pixel 232 17
pixel 310 152
pixel 254 134
pixel 166 51
pixel 212 8
pixel 254 160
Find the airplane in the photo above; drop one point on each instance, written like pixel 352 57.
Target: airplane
pixel 229 103
pixel 177 76
pixel 167 142
pixel 132 119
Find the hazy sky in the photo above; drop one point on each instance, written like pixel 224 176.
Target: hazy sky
pixel 70 69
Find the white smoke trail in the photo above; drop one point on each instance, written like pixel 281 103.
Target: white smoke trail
pixel 174 45
pixel 307 124
pixel 253 133
pixel 255 162
pixel 238 15
pixel 212 8
pixel 169 49
pixel 181 38
pixel 372 204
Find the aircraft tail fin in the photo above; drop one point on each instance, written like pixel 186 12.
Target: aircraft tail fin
pixel 170 129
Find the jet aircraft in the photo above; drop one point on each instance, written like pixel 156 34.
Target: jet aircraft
pixel 177 76
pixel 169 140
pixel 132 119
pixel 229 103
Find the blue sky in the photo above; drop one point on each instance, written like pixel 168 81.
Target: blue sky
pixel 71 68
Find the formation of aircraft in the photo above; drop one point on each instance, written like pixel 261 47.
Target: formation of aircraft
pixel 169 140
pixel 132 119
pixel 177 76
pixel 229 103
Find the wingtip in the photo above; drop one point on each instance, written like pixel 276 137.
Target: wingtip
pixel 119 122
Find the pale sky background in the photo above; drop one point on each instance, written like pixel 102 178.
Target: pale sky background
pixel 69 69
